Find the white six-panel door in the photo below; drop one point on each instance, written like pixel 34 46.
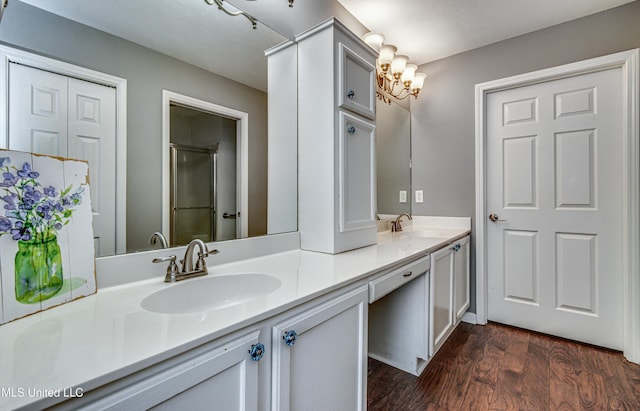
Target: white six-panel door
pixel 554 186
pixel 62 116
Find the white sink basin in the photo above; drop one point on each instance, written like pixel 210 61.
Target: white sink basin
pixel 209 293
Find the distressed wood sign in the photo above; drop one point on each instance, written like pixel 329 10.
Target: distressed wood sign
pixel 46 235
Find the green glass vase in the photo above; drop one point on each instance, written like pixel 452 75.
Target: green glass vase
pixel 38 270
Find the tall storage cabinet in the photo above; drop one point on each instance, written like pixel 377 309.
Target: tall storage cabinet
pixel 336 140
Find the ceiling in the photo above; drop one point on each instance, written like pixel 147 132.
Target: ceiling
pixel 428 30
pixel 189 30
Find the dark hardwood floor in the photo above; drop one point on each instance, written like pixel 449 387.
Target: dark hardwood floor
pixel 496 367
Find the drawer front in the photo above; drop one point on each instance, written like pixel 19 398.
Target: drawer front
pixel 382 286
pixel 356 85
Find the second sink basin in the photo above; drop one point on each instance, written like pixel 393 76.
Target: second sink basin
pixel 209 293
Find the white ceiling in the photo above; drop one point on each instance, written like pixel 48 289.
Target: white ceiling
pixel 427 30
pixel 189 30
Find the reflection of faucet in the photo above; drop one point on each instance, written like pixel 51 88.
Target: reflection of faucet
pixel 396 226
pixel 158 236
pixel 188 270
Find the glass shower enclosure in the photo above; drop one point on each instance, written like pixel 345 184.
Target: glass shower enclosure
pixel 193 193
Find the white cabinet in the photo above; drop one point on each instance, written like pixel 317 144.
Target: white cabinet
pixel 461 295
pixel 314 359
pixel 320 356
pixel 449 291
pixel 336 140
pixel 224 372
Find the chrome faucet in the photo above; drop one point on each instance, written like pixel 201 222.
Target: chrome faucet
pixel 188 270
pixel 158 236
pixel 396 226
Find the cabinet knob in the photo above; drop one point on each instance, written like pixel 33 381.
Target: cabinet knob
pixel 351 130
pixel 351 94
pixel 290 337
pixel 256 351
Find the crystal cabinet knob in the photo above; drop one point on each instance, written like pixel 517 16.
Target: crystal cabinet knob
pixel 256 351
pixel 289 337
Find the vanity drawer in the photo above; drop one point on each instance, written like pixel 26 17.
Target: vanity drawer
pixel 382 286
pixel 356 83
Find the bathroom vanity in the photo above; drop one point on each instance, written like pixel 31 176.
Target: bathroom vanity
pixel 303 342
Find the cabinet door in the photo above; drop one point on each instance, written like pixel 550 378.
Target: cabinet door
pixel 228 381
pixel 320 356
pixel 356 83
pixel 357 173
pixel 223 376
pixel 461 277
pixel 441 314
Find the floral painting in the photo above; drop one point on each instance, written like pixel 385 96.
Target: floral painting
pixel 46 239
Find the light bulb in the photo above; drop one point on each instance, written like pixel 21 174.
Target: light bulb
pixel 398 65
pixel 387 51
pixel 374 40
pixel 408 74
pixel 418 82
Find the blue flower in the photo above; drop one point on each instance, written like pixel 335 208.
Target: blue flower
pixel 32 211
pixel 9 180
pixel 26 171
pixel 5 224
pixel 44 210
pixel 11 201
pixel 31 193
pixel 20 232
pixel 50 191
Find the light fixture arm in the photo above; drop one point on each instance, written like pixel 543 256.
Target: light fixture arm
pixel 219 3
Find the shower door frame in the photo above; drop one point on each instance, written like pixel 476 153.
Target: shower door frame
pixel 242 158
pixel 175 148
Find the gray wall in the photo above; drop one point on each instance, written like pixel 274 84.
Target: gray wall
pixel 147 73
pixel 442 118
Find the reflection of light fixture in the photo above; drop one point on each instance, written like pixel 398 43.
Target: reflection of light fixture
pixel 395 77
pixel 234 12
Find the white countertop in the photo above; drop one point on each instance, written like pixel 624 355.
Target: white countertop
pixel 97 339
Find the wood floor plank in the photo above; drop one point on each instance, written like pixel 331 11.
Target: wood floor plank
pixel 535 378
pixel 500 367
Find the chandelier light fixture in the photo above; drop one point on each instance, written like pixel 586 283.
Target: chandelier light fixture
pixel 235 12
pixel 395 76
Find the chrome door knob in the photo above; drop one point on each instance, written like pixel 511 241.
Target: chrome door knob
pixel 494 218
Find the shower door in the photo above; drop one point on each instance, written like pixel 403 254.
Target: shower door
pixel 193 188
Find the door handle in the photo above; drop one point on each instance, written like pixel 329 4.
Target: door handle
pixel 494 218
pixel 230 216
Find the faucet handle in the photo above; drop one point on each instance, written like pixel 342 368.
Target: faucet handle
pixel 201 264
pixel 172 269
pixel 171 259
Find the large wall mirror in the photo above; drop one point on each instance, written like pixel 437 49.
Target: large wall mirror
pixel 393 158
pixel 188 49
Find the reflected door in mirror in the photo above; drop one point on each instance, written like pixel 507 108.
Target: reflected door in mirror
pixel 62 116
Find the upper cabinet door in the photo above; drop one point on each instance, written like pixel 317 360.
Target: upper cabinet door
pixel 356 83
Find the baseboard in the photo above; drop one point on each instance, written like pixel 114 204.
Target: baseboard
pixel 469 318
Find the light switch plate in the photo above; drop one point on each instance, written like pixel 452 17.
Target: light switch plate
pixel 419 196
pixel 403 196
